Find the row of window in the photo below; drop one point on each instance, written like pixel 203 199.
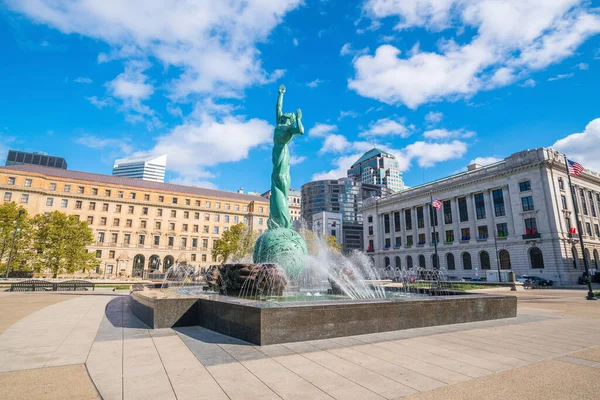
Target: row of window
pixel 499 211
pixel 102 221
pixel 465 234
pixel 133 195
pixel 111 256
pixel 535 257
pixel 156 240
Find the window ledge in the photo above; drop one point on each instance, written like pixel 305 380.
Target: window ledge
pixel 482 240
pixel 448 242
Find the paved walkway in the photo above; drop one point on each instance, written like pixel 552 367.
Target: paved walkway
pixel 551 350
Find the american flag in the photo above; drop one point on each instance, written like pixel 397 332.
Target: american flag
pixel 436 203
pixel 574 168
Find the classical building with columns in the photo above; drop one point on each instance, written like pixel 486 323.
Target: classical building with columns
pixel 520 205
pixel 139 226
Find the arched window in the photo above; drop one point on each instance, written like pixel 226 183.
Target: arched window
pixel 466 258
pixel 504 259
pixel 450 261
pixel 138 265
pixel 421 261
pixel 484 260
pixel 398 263
pixel 386 261
pixel 536 257
pixel 409 264
pixel 435 261
pixel 596 260
pixel 168 262
pixel 154 262
pixel 574 255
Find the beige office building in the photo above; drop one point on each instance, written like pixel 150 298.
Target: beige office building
pixel 139 226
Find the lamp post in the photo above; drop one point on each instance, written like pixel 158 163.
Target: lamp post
pixel 497 255
pixel 12 246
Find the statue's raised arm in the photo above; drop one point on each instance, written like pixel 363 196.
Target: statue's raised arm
pixel 299 126
pixel 279 106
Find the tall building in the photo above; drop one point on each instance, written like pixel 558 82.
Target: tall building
pixel 148 168
pixel 294 202
pixel 15 157
pixel 344 196
pixel 520 205
pixel 139 226
pixel 377 167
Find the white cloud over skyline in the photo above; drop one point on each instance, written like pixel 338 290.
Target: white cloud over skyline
pixel 513 39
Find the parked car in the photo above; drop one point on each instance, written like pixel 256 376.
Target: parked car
pixel 535 281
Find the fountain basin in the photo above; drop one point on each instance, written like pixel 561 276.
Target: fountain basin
pixel 270 322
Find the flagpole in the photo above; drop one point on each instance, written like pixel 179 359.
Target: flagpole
pixel 432 210
pixel 590 295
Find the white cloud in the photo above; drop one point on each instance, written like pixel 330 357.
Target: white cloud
pixel 295 41
pixel 513 38
pixel 321 130
pixel 218 139
pixel 100 103
pixel 123 146
pixel 561 76
pixel 83 79
pixel 447 134
pixel 528 83
pixel 295 160
pixel 211 44
pixel 334 144
pixel 342 164
pixel 349 113
pixel 174 110
pixel 428 154
pixel 387 126
pixel 485 160
pixel 583 147
pixel 315 83
pixel 433 117
pixel 347 50
pixel 583 66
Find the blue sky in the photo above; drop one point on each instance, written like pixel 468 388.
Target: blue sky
pixel 439 83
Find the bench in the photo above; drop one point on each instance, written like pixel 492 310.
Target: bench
pixel 74 285
pixel 32 285
pixel 39 285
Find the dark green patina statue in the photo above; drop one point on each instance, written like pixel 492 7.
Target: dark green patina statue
pixel 280 243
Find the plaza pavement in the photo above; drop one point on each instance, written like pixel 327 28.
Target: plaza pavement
pixel 91 346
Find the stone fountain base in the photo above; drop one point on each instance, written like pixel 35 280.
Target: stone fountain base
pixel 264 323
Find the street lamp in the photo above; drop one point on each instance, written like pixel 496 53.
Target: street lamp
pixel 497 255
pixel 12 246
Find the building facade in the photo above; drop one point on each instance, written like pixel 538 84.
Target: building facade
pixel 294 202
pixel 344 196
pixel 15 157
pixel 139 226
pixel 377 167
pixel 522 205
pixel 327 224
pixel 148 168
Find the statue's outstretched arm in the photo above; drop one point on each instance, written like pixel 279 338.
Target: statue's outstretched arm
pixel 279 106
pixel 299 126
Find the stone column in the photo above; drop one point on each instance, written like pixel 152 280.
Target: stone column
pixel 492 215
pixel 455 218
pixel 472 215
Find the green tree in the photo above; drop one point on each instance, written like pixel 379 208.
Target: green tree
pixel 60 241
pixel 234 244
pixel 312 240
pixel 22 251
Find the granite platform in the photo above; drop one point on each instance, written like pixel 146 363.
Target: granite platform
pixel 267 322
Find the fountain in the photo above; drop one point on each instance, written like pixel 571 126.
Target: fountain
pixel 289 294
